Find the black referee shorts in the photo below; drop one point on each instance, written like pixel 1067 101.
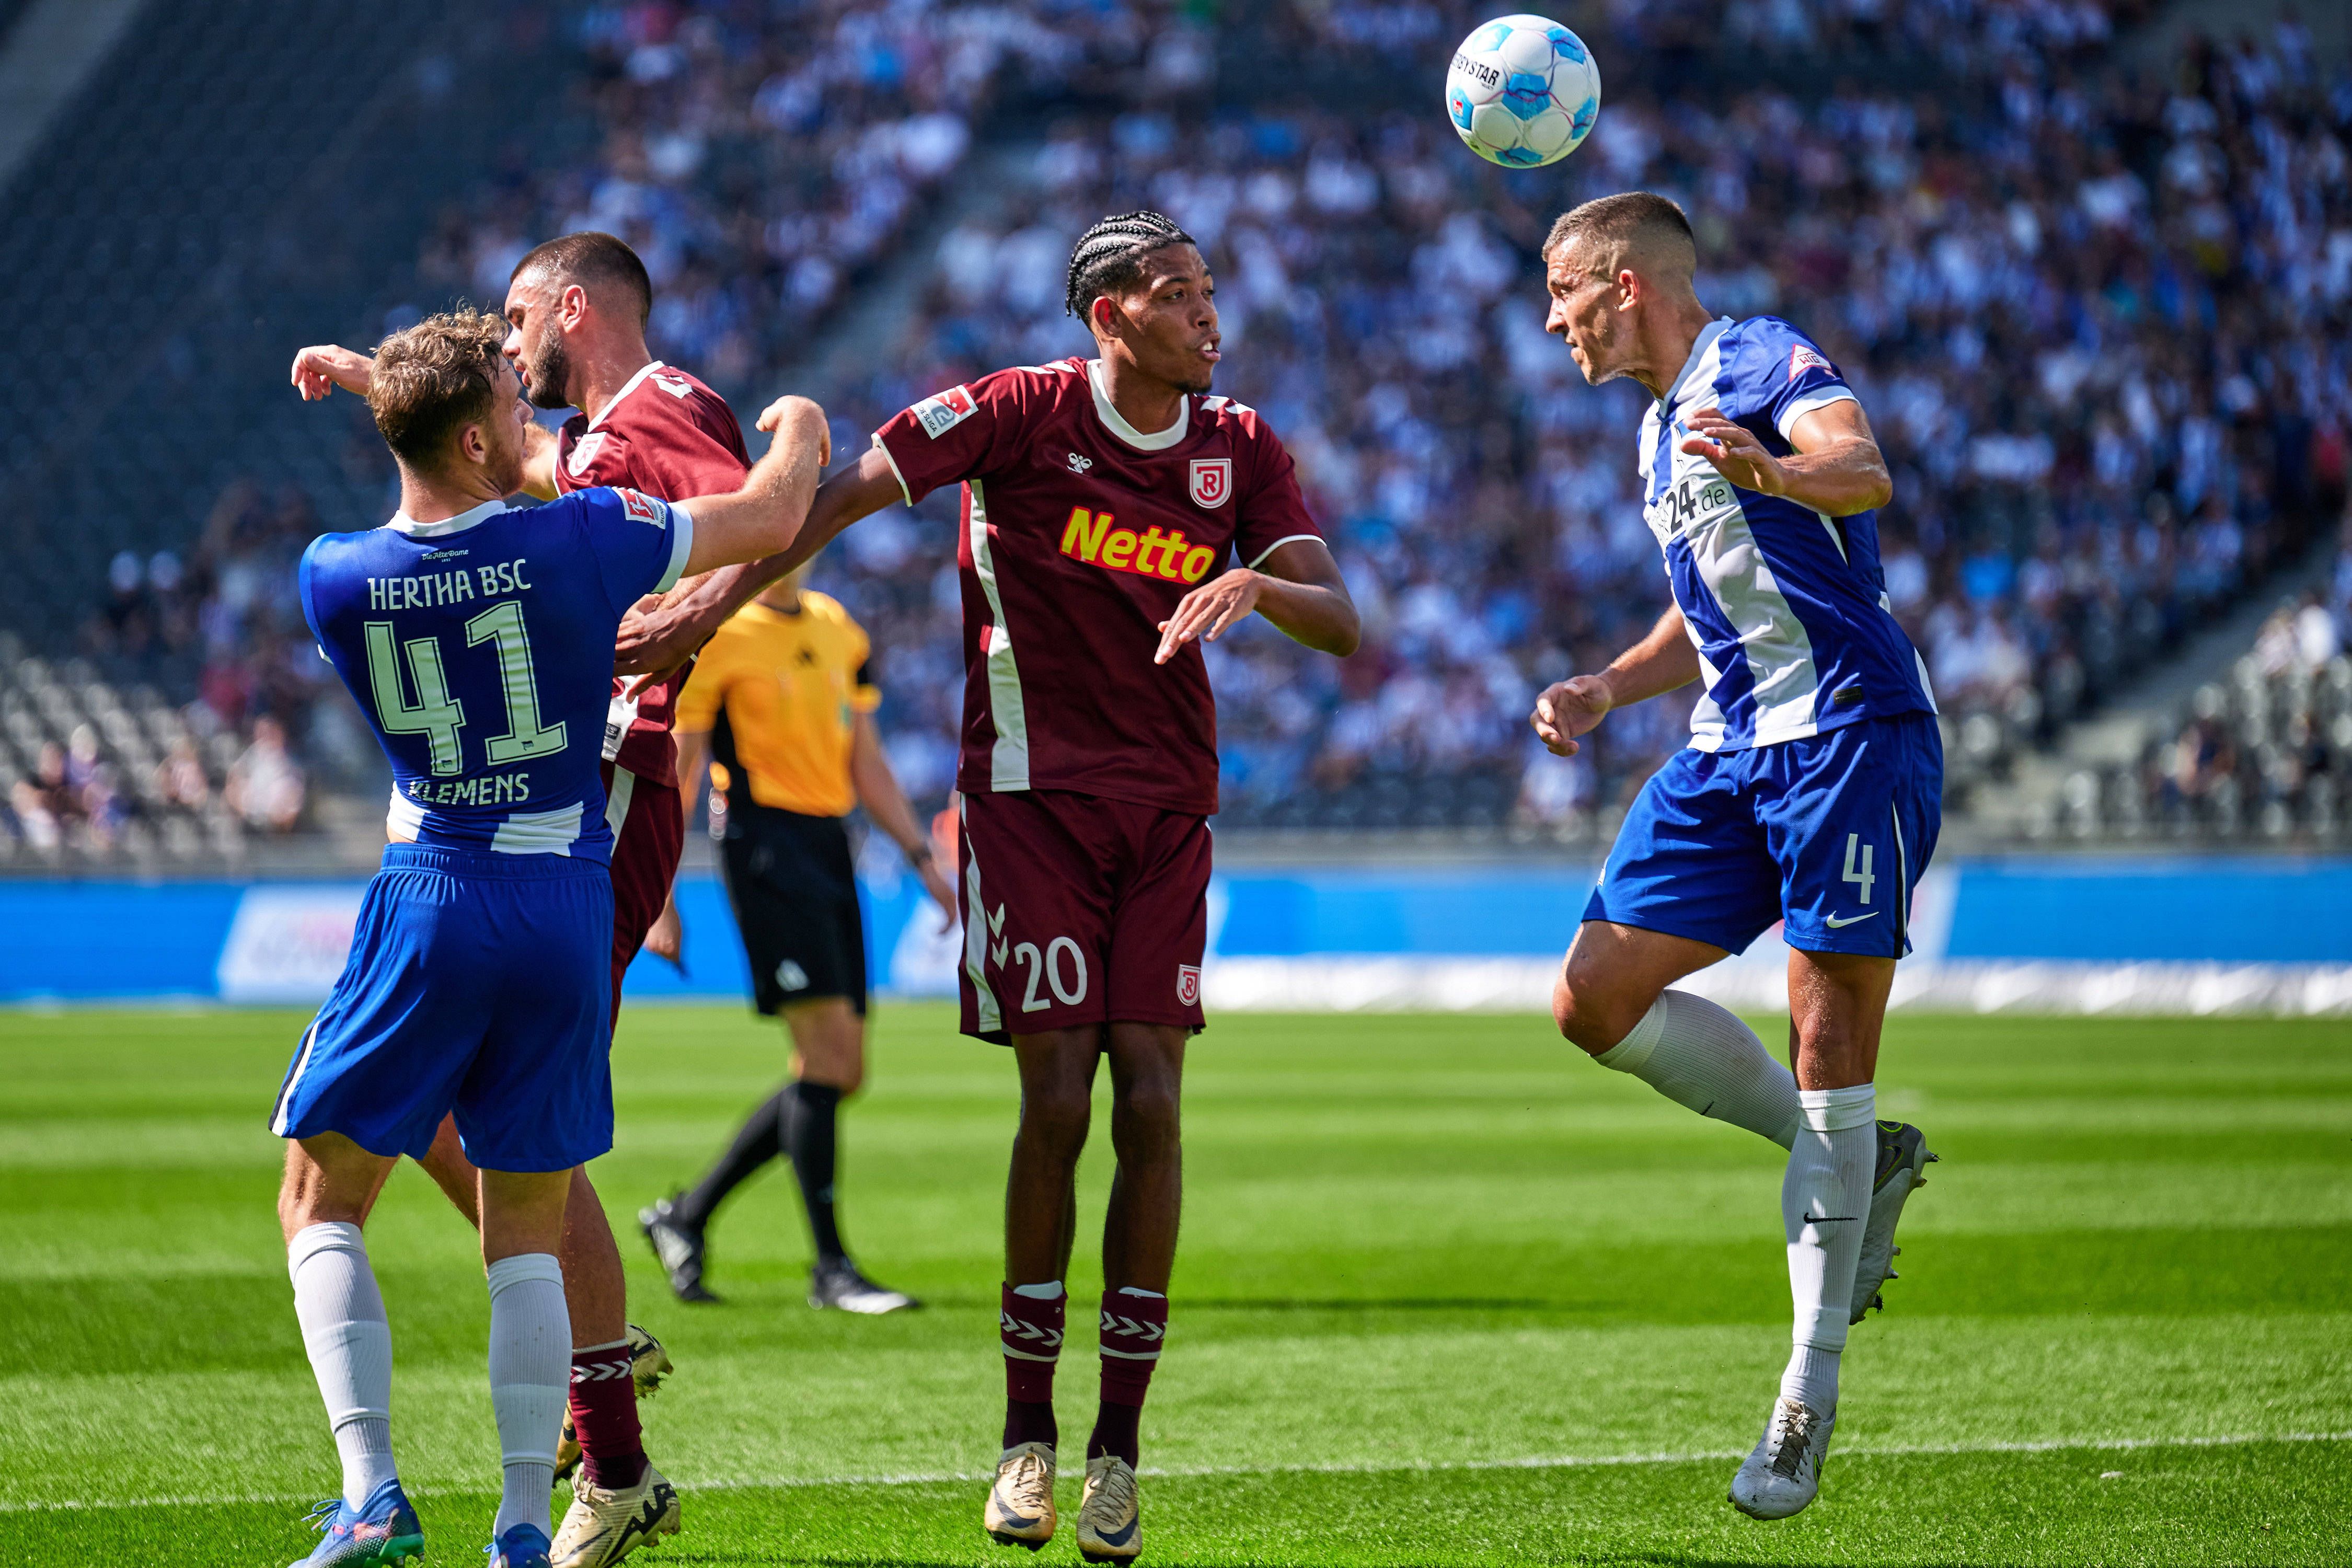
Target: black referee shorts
pixel 795 895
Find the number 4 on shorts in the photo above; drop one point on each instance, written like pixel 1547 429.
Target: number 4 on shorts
pixel 1866 876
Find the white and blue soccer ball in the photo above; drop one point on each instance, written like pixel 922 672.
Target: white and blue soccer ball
pixel 1523 91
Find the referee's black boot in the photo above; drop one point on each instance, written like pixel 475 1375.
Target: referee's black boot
pixel 680 1246
pixel 836 1282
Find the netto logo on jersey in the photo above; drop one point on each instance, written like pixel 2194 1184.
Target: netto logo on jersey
pixel 1155 553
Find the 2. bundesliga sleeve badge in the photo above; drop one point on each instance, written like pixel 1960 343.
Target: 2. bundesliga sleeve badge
pixel 1212 482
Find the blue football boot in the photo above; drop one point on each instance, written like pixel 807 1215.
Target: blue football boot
pixel 523 1546
pixel 381 1532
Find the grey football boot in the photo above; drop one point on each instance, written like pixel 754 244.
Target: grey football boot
pixel 1903 1161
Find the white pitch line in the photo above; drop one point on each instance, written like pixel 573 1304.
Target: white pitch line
pixel 1538 1462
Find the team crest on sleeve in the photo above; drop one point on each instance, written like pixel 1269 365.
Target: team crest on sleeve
pixel 1188 984
pixel 939 414
pixel 1803 358
pixel 583 452
pixel 643 507
pixel 1212 482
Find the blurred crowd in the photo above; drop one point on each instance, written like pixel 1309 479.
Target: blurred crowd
pixel 2263 753
pixel 111 765
pixel 2101 317
pixel 2100 323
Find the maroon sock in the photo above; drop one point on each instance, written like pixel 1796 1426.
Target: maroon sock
pixel 1030 1332
pixel 1134 1325
pixel 604 1416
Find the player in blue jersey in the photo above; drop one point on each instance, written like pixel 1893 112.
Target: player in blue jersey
pixel 477 640
pixel 1810 793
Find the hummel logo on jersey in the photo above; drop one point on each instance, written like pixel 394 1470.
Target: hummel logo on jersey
pixel 680 390
pixel 944 411
pixel 1080 464
pixel 1839 923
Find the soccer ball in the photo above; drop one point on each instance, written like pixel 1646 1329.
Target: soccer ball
pixel 1523 91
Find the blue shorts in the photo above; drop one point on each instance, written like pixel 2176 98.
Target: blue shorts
pixel 478 983
pixel 1828 833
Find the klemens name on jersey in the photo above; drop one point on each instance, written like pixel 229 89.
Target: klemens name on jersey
pixel 944 411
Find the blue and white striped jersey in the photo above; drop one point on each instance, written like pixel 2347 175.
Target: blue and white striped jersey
pixel 480 650
pixel 1788 607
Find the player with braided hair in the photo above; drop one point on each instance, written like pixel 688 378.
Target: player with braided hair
pixel 1109 257
pixel 1103 498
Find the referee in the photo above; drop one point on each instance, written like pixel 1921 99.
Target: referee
pixel 780 697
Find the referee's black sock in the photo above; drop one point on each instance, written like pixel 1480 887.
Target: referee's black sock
pixel 761 1140
pixel 810 1138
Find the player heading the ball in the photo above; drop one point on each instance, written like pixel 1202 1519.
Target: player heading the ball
pixel 477 642
pixel 1810 793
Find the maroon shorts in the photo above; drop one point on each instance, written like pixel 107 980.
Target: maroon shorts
pixel 649 836
pixel 1079 910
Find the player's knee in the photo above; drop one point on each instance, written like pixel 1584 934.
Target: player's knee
pixel 1586 1015
pixel 1053 1119
pixel 1147 1118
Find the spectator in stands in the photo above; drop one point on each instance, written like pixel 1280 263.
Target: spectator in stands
pixel 180 784
pixel 264 785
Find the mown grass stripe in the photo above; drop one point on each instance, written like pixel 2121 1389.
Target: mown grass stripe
pixel 1533 1462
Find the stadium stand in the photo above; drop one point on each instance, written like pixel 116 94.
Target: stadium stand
pixel 1987 182
pixel 2263 756
pixel 2052 538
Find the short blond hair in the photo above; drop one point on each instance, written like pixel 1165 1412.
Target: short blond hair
pixel 1633 227
pixel 431 380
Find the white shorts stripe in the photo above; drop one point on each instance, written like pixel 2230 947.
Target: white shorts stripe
pixel 301 1066
pixel 975 931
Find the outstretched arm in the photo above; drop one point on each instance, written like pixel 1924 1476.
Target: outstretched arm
pixel 666 635
pixel 1836 470
pixel 1658 663
pixel 323 367
pixel 766 513
pixel 1297 587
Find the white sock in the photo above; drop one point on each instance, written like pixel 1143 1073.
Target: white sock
pixel 1701 1055
pixel 1829 1169
pixel 531 1373
pixel 350 1341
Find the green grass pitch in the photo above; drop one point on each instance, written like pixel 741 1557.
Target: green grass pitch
pixel 1447 1294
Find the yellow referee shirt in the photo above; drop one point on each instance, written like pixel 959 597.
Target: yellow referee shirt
pixel 789 686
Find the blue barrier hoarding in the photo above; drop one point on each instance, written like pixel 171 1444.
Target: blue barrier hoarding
pixel 2165 934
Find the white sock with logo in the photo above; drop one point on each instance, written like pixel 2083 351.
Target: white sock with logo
pixel 350 1342
pixel 530 1375
pixel 1701 1055
pixel 1824 1204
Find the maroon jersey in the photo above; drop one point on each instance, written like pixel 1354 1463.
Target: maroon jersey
pixel 1080 535
pixel 667 435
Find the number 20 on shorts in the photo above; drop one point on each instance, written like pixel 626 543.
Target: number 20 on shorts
pixel 1046 968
